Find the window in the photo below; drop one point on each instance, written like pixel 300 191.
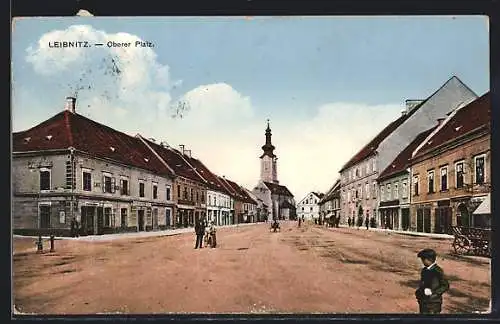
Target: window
pixel 367 190
pixel 444 178
pixel 141 189
pixel 396 191
pixel 459 174
pixel 404 189
pixel 107 216
pixel 373 165
pixel 215 201
pixel 202 197
pixel 415 185
pixel 388 193
pixel 178 191
pixel 44 179
pixel 382 192
pixel 311 209
pixel 167 192
pixel 124 187
pixel 87 181
pixel 374 189
pixel 368 167
pixel 155 191
pixel 357 172
pixel 197 196
pixel 192 195
pixel 430 181
pixel 108 183
pixel 123 217
pixel 479 169
pixel 185 193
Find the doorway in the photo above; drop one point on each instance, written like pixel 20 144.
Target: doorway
pixel 87 219
pixel 405 221
pixel 443 220
pixel 155 218
pixel 44 216
pixel 140 221
pixel 100 220
pixel 462 216
pixel 427 220
pixel 420 220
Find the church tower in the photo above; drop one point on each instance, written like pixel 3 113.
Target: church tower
pixel 268 160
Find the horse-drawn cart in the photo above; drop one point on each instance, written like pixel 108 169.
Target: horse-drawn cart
pixel 470 240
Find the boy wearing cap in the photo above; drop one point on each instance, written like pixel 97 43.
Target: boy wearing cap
pixel 432 284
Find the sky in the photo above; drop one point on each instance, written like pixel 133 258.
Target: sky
pixel 328 85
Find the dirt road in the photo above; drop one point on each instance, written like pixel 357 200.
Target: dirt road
pixel 300 270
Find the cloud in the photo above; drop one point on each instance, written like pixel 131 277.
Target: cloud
pixel 219 124
pixel 130 76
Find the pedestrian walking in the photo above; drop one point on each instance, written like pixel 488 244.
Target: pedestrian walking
pixel 349 221
pixel 367 222
pixel 432 284
pixel 300 221
pixel 213 235
pixel 199 230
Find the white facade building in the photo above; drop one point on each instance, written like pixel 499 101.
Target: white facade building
pixel 308 207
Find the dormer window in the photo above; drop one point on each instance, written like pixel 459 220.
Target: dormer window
pixel 48 137
pixel 146 159
pixel 458 128
pixel 112 148
pixel 27 139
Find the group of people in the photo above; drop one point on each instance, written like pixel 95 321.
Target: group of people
pixel 352 222
pixel 205 231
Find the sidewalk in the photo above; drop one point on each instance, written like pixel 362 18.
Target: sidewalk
pixel 130 235
pixel 433 235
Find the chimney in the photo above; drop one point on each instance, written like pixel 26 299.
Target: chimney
pixel 440 121
pixel 412 103
pixel 182 148
pixel 152 139
pixel 403 112
pixel 71 104
pixel 187 152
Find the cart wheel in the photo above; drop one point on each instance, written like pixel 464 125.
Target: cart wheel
pixel 461 245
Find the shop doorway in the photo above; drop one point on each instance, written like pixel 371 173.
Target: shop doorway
pixel 463 216
pixel 140 221
pixel 44 216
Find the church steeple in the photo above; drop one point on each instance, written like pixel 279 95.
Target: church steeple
pixel 268 148
pixel 268 160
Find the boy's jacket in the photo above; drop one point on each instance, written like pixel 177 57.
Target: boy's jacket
pixel 432 278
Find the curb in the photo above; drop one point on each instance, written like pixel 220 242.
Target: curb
pixel 130 235
pixel 408 233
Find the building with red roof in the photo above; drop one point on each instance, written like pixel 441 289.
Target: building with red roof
pixel 72 167
pixel 394 187
pixel 189 187
pixel 358 176
pixel 451 170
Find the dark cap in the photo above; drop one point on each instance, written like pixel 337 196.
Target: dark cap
pixel 429 254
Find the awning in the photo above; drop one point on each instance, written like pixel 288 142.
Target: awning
pixel 328 215
pixel 484 207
